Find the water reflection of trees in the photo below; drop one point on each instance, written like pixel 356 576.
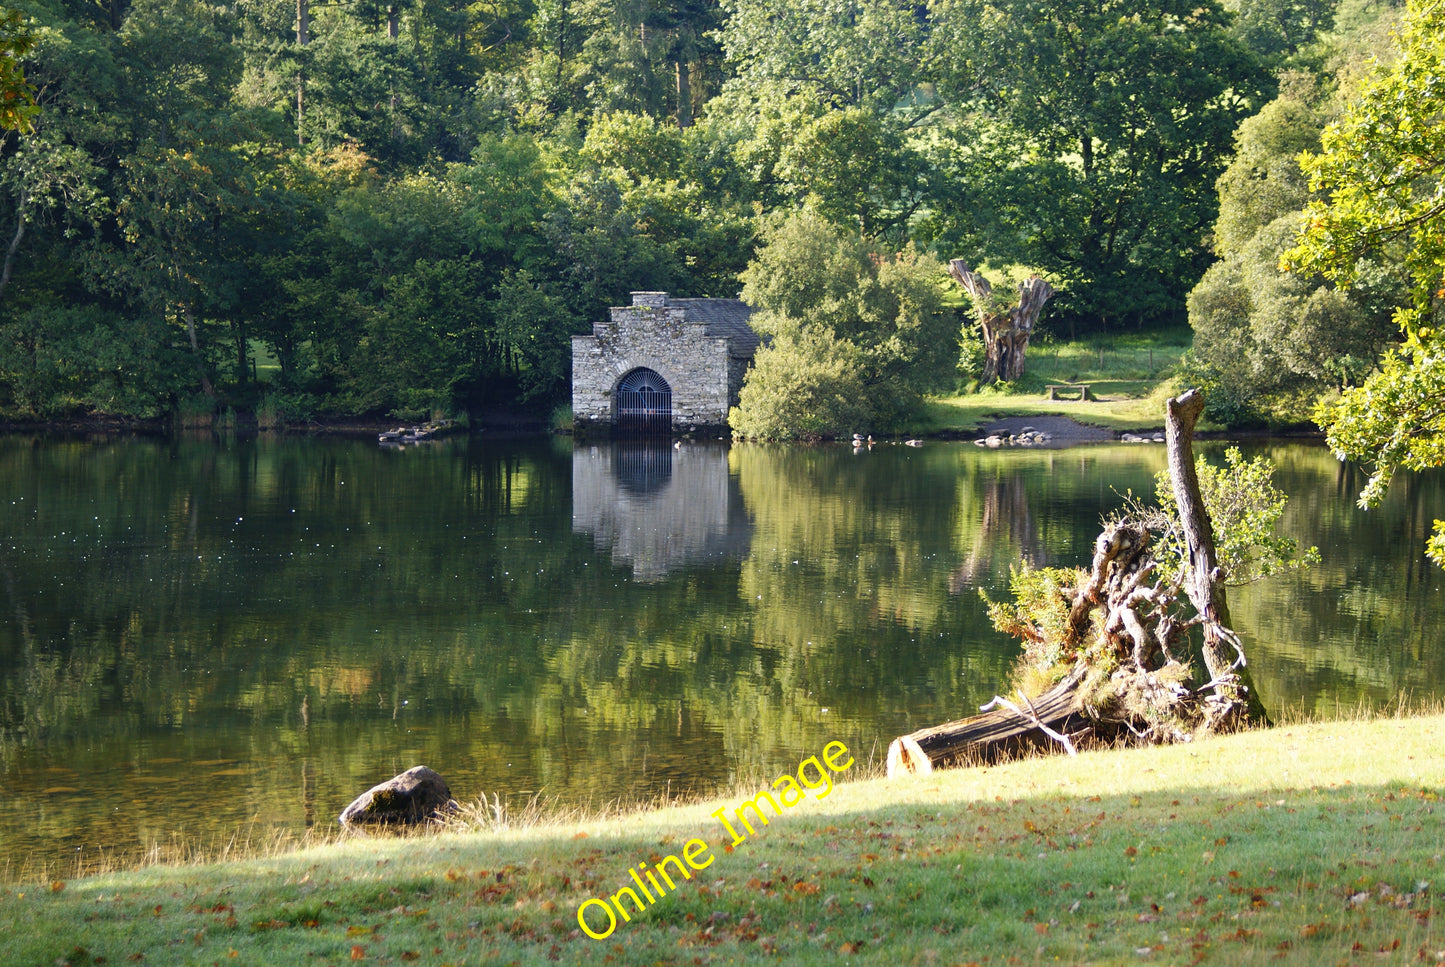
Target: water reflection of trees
pixel 1360 626
pixel 1006 524
pixel 172 603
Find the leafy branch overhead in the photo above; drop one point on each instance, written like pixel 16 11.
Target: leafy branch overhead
pixel 1380 178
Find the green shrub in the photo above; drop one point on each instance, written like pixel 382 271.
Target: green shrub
pixel 196 411
pixel 803 386
pixel 278 410
pixel 858 334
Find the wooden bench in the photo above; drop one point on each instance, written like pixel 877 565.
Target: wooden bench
pixel 1083 389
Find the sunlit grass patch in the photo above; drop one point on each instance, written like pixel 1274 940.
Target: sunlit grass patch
pixel 1129 376
pixel 969 412
pixel 1142 356
pixel 1308 843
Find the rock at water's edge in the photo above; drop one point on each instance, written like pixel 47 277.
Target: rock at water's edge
pixel 418 795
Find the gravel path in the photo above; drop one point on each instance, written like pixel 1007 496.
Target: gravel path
pixel 1063 429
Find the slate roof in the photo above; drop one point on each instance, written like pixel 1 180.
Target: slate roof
pixel 725 319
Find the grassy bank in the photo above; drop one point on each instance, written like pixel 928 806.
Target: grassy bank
pixel 967 413
pixel 1129 376
pixel 1305 844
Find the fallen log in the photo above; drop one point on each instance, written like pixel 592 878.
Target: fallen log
pixel 989 733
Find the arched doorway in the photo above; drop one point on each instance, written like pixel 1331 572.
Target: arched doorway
pixel 644 403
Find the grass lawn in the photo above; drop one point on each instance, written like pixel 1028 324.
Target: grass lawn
pixel 1304 844
pixel 1114 409
pixel 1130 377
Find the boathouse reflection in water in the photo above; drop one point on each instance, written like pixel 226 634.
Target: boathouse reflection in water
pixel 656 508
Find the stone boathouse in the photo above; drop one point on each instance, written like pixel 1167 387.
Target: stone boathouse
pixel 662 365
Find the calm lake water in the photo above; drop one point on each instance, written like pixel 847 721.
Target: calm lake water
pixel 199 637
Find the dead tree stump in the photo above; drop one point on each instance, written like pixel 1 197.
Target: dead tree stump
pixel 1113 637
pixel 1006 329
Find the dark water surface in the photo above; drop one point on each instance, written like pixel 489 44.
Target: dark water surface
pixel 197 637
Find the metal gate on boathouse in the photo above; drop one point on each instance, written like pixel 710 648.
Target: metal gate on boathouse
pixel 644 404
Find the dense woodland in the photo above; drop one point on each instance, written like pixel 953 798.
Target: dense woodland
pixel 362 208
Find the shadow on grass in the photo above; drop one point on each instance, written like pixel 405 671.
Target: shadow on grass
pixel 1184 875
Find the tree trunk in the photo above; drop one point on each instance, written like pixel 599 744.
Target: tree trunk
pixel 1223 657
pixel 1115 638
pixel 190 318
pixel 243 355
pixel 1006 333
pixel 684 95
pixel 22 211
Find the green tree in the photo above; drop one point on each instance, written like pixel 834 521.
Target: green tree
pixel 702 238
pixel 1089 140
pixel 1379 173
pixel 855 170
pixel 806 384
pixel 867 54
pixel 603 245
pixel 17 97
pixel 1277 30
pixel 58 360
pixel 1380 179
pixel 394 289
pixel 47 181
pixel 192 167
pixel 609 56
pixel 52 176
pixel 741 139
pixel 69 341
pixel 839 309
pixel 635 144
pixel 1269 341
pixel 533 330
pixel 1244 508
pixel 1266 342
pixel 825 108
pixel 1263 180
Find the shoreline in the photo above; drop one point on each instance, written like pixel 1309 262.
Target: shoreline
pixel 1298 844
pixel 337 426
pixel 1065 430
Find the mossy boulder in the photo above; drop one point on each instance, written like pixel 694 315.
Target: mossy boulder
pixel 418 795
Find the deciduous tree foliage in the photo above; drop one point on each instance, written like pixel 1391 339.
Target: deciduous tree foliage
pixel 866 54
pixel 1381 172
pixel 858 334
pixel 1264 338
pixel 1104 129
pixel 247 183
pixel 1381 169
pixel 17 99
pixel 1278 30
